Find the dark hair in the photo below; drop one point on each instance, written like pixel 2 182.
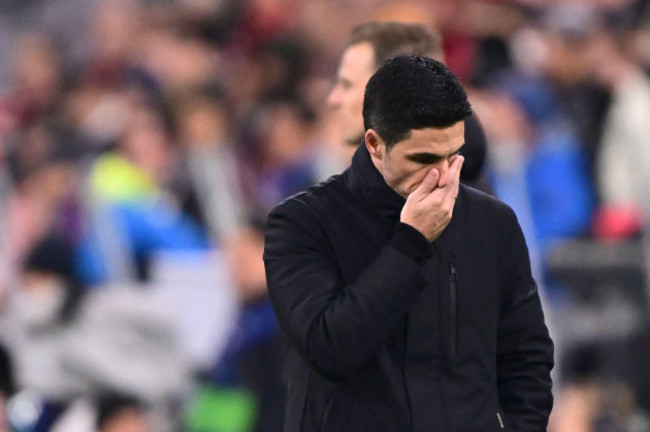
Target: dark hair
pixel 389 39
pixel 7 375
pixel 52 255
pixel 412 92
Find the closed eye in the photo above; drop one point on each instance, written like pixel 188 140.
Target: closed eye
pixel 430 158
pixel 425 158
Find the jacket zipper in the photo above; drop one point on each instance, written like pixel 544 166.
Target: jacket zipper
pixel 453 331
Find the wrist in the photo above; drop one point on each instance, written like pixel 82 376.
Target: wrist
pixel 410 242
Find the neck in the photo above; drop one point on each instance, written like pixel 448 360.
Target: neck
pixel 377 163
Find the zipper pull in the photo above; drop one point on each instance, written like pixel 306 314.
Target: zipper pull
pixel 501 425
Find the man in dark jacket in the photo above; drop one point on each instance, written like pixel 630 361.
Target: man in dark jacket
pixel 398 316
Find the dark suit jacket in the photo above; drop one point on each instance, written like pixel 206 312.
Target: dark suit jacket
pixel 387 332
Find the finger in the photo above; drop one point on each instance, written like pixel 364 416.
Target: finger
pixel 456 165
pixel 429 183
pixel 454 168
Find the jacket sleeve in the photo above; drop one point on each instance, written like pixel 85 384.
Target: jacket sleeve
pixel 524 348
pixel 336 327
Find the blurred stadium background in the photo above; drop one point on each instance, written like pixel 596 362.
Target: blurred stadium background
pixel 143 142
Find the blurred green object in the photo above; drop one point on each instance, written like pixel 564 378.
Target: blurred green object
pixel 114 178
pixel 221 409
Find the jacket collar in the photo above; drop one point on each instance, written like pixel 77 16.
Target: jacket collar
pixel 368 185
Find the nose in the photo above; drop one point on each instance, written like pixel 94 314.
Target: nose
pixel 334 98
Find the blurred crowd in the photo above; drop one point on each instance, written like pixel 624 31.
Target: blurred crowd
pixel 142 144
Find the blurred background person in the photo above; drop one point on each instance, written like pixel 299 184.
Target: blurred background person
pixel 69 343
pixel 132 202
pixel 623 151
pixel 213 184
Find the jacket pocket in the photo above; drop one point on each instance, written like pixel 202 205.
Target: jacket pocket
pixel 453 310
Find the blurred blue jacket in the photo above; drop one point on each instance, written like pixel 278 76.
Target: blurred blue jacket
pixel 140 229
pixel 551 190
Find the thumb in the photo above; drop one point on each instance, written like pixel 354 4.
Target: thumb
pixel 428 184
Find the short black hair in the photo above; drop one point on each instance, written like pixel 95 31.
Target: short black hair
pixel 412 92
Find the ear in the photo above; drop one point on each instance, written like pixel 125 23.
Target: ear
pixel 375 144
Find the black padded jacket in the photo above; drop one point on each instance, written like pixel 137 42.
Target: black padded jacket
pixel 388 332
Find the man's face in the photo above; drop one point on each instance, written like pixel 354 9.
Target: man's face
pixel 406 164
pixel 346 99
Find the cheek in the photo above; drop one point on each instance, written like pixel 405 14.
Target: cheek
pixel 355 102
pixel 407 180
pixel 416 177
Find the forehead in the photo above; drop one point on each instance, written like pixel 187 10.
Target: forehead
pixel 357 60
pixel 438 141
